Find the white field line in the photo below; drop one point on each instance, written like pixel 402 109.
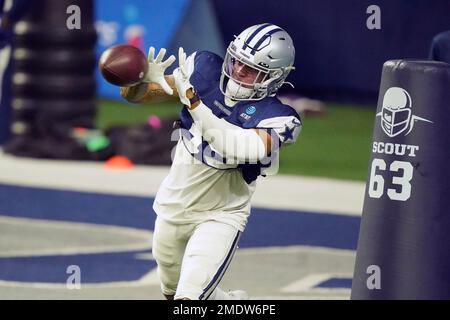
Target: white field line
pixel 273 250
pixel 142 239
pixel 309 282
pixel 316 294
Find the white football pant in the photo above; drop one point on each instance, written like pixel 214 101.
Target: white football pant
pixel 192 258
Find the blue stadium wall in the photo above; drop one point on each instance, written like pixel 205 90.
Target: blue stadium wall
pixel 337 58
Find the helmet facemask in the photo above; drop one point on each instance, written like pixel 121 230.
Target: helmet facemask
pixel 242 80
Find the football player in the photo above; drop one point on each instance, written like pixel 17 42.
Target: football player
pixel 232 125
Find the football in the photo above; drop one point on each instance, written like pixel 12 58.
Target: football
pixel 123 65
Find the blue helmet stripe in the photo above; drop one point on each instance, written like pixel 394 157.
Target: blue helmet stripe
pixel 268 34
pixel 255 33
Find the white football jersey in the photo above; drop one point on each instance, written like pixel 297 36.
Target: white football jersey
pixel 202 184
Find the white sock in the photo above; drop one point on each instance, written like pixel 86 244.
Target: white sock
pixel 219 294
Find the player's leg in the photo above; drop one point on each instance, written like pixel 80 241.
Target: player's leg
pixel 207 256
pixel 169 243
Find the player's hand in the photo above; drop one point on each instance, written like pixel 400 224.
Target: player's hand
pixel 181 77
pixel 156 68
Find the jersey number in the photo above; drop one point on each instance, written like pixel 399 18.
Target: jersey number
pixel 376 183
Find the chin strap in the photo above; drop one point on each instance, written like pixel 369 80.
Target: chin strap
pixel 288 83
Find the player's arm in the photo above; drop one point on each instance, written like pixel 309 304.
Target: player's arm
pixel 245 145
pixel 266 140
pixel 149 92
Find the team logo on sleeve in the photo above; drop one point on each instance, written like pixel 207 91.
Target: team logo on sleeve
pixel 290 131
pixel 396 113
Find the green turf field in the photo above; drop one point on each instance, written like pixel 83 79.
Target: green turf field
pixel 335 145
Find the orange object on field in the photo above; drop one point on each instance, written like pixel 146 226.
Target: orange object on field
pixel 119 162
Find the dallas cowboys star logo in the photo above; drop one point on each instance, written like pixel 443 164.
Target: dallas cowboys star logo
pixel 288 132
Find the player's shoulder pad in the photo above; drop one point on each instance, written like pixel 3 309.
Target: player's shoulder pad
pixel 207 71
pixel 282 119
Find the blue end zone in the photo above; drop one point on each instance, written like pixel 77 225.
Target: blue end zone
pixel 266 227
pixel 336 283
pixel 95 268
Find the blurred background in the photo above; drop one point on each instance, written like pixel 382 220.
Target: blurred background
pixel 76 157
pixel 51 94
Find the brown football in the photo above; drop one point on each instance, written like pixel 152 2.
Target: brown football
pixel 123 65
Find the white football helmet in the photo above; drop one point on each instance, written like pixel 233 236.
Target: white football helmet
pixel 257 63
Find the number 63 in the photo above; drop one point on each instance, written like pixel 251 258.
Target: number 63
pixel 376 183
